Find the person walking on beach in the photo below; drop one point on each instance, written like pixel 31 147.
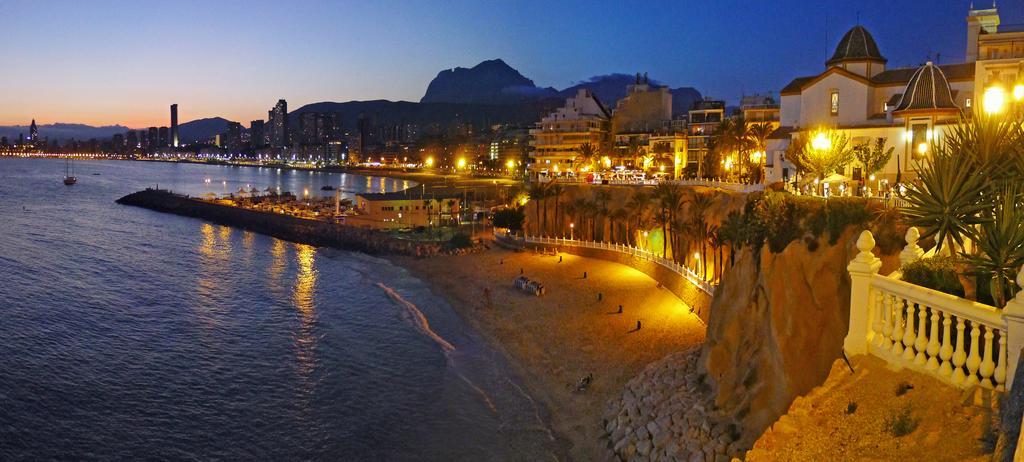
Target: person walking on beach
pixel 620 309
pixel 637 324
pixel 559 258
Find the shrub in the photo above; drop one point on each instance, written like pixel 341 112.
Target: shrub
pixel 461 241
pixel 902 388
pixel 510 218
pixel 901 423
pixel 937 273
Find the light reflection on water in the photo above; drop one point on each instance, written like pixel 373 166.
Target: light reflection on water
pixel 305 282
pixel 129 334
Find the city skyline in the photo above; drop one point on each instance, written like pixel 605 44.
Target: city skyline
pixel 118 71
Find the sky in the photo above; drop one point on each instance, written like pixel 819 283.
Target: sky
pixel 104 62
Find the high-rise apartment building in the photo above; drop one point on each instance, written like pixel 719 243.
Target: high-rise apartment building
pixel 257 134
pixel 174 125
pixel 279 125
pixel 163 137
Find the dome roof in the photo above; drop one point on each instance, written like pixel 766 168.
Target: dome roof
pixel 856 45
pixel 927 89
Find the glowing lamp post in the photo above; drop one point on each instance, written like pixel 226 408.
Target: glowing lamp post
pixel 994 100
pixel 572 227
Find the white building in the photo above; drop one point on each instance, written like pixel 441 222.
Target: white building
pixel 857 95
pixel 556 139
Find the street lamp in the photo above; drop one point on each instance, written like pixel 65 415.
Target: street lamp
pixel 572 227
pixel 994 100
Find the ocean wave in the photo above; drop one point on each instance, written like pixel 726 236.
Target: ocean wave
pixel 419 320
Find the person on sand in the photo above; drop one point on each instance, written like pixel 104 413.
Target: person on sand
pixel 620 309
pixel 559 258
pixel 637 324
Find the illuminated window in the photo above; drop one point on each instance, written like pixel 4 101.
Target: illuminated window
pixel 967 102
pixel 834 103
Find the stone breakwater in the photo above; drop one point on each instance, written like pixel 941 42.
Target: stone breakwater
pixel 289 228
pixel 666 414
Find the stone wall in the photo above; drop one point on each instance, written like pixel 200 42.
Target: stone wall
pixel 289 228
pixel 695 298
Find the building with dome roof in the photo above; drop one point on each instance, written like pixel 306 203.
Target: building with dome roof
pixel 911 107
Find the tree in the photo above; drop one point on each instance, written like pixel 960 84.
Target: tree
pixel 601 210
pixel 825 152
pixel 945 202
pixel 670 198
pixel 758 135
pixel 511 218
pixel 1000 243
pixel 555 191
pixel 873 157
pixel 536 193
pixel 637 206
pixel 586 154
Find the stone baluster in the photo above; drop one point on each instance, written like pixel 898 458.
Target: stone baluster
pixel 974 358
pixel 879 314
pixel 885 302
pixel 912 252
pixel 896 305
pixel 922 340
pixel 988 366
pixel 863 267
pixel 959 356
pixel 933 342
pixel 1013 314
pixel 909 336
pixel 1000 374
pixel 946 350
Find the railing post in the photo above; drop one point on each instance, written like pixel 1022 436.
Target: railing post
pixel 912 252
pixel 861 269
pixel 1013 313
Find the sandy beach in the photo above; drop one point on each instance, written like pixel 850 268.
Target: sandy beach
pixel 554 340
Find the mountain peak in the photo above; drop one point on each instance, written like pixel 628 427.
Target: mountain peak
pixel 489 82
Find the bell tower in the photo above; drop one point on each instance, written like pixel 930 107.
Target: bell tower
pixel 983 21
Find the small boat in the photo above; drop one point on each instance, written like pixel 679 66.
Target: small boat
pixel 69 177
pixel 327 188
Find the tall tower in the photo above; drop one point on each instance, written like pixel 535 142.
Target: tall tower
pixel 279 125
pixel 174 125
pixel 985 21
pixel 33 131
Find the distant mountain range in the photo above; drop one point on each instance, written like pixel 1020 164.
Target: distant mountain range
pixel 188 132
pixel 63 131
pixel 489 93
pixel 495 82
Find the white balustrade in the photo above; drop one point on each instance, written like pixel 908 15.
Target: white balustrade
pixel 680 269
pixel 960 341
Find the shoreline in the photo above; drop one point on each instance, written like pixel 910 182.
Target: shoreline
pixel 551 341
pixel 429 178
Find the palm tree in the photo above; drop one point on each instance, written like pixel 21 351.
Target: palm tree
pixel 1000 243
pixel 586 154
pixel 670 198
pixel 601 199
pixel 715 241
pixel 571 211
pixel 758 135
pixel 536 193
pixel 555 191
pixel 619 215
pixel 945 202
pixel 637 207
pixel 733 232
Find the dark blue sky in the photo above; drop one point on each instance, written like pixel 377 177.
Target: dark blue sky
pixel 104 62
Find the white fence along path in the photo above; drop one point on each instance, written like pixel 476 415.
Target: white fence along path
pixel 636 252
pixel 959 341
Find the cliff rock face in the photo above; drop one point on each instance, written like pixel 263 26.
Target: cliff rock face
pixel 490 82
pixel 775 330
